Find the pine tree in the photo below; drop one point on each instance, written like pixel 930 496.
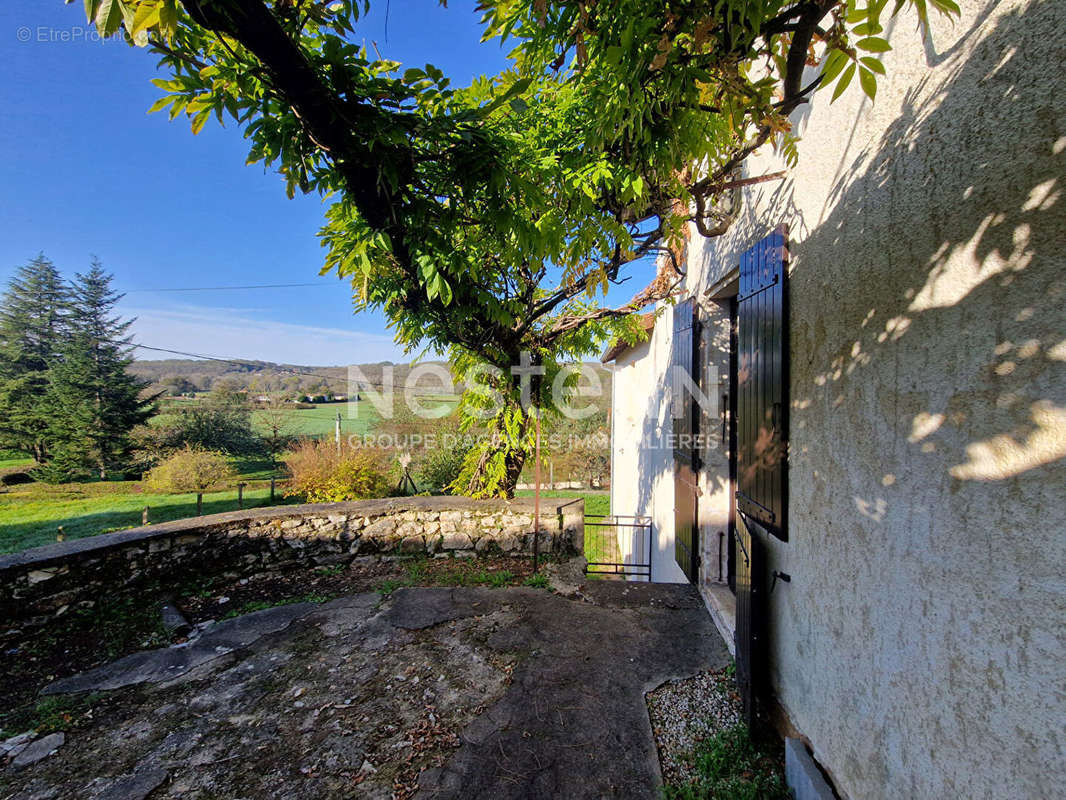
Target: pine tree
pixel 33 327
pixel 94 399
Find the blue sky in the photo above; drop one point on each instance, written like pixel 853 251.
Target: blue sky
pixel 86 171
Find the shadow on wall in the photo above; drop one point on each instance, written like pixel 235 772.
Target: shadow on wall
pixel 957 321
pixel 928 432
pixel 927 305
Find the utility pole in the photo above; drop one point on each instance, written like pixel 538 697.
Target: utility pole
pixel 337 432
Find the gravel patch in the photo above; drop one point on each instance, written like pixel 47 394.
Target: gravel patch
pixel 687 711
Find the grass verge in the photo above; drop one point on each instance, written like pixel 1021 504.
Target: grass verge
pixel 31 514
pixel 729 765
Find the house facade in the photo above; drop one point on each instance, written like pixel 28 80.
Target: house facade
pixel 874 475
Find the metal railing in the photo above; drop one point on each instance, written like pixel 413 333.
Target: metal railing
pixel 618 545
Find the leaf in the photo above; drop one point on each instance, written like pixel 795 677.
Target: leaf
pixel 873 44
pixel 108 17
pixel 868 82
pixel 160 104
pixel 445 292
pixel 845 79
pixel 873 64
pixel 834 63
pixel 923 12
pixel 168 18
pixel 146 18
pixel 947 7
pixel 867 29
pixel 199 120
pixel 516 88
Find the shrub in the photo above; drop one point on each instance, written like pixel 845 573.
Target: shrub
pixel 442 465
pixel 322 475
pixel 215 424
pixel 190 469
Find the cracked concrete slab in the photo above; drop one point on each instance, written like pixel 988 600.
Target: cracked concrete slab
pixel 443 693
pixel 168 663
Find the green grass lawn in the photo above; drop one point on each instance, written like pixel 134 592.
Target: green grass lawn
pixel 11 459
pixel 31 514
pixel 596 502
pixel 314 422
pixel 320 420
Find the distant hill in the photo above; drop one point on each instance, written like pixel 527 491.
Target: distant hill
pixel 194 375
pixel 263 376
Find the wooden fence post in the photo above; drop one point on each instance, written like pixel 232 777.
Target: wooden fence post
pixel 144 516
pixel 199 504
pixel 272 479
pixel 240 495
pixel 60 536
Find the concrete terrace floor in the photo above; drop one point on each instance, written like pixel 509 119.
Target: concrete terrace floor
pixel 472 693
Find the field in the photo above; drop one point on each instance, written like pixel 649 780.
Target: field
pixel 356 418
pixel 10 460
pixel 31 514
pixel 319 421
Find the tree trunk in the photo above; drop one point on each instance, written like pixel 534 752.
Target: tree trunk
pixel 480 483
pixel 514 463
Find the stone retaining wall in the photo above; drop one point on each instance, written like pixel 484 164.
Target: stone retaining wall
pixel 51 579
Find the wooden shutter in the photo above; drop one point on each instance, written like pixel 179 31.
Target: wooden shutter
pixel 762 384
pixel 685 427
pixel 749 636
pixel 683 363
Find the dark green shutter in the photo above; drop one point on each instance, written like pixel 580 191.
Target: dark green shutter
pixel 685 427
pixel 762 384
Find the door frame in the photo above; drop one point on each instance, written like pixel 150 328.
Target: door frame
pixel 731 422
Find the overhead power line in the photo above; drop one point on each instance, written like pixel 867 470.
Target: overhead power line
pixel 225 288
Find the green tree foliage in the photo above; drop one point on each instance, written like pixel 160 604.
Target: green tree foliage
pixel 191 469
pixel 66 397
pixel 33 319
pixel 93 400
pixel 441 466
pixel 177 385
pixel 278 429
pixel 489 220
pixel 222 421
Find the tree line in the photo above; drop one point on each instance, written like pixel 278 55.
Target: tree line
pixel 67 398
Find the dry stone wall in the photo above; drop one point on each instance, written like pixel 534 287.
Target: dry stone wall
pixel 52 579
